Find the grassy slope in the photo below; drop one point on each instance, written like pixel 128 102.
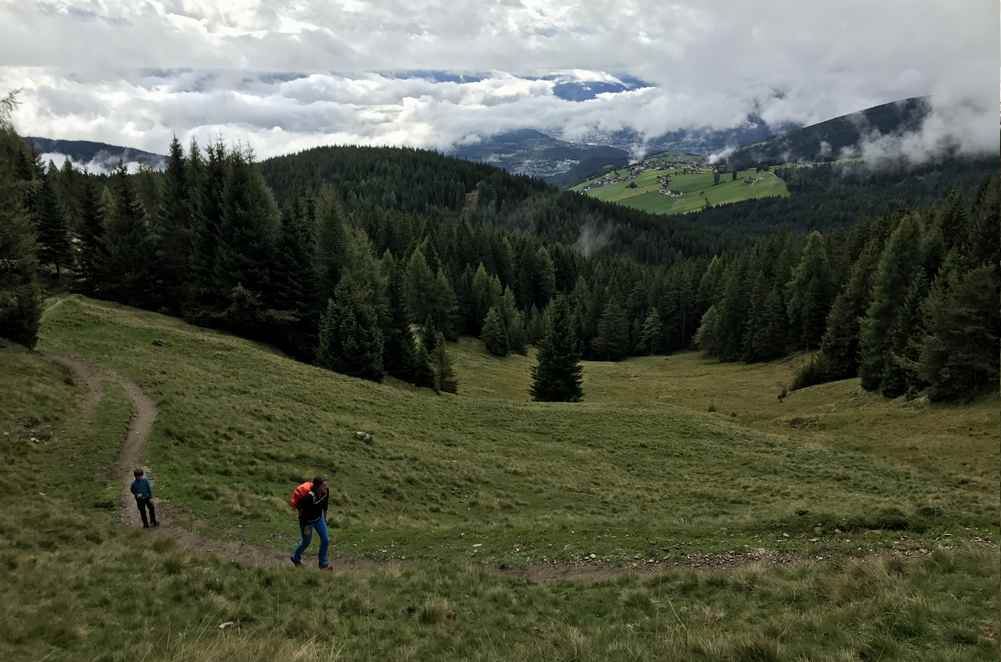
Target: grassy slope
pixel 238 424
pixel 697 188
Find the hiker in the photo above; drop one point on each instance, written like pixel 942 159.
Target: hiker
pixel 310 499
pixel 143 492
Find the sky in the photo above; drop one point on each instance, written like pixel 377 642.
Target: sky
pixel 280 76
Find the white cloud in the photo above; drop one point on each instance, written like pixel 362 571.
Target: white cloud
pixel 136 72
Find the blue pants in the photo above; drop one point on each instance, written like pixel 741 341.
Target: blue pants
pixel 320 526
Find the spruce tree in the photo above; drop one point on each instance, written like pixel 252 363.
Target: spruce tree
pixel 419 287
pixel 558 375
pixel 444 375
pixel 173 232
pixel 208 228
pixel 897 266
pixel 400 350
pixel 651 334
pixel 707 336
pixel 811 291
pixel 93 255
pixel 53 232
pixel 612 341
pixel 732 311
pixel 445 306
pixel 128 245
pixel 295 287
pixel 20 309
pixel 331 243
pixel 494 334
pixel 351 334
pixel 900 373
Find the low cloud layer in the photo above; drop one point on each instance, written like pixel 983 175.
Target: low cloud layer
pixel 284 76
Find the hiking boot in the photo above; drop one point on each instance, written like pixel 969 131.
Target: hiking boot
pixel 326 567
pixel 295 562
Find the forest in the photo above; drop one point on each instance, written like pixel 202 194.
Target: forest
pixel 365 260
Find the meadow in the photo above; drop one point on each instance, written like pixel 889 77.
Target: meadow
pixel 698 189
pixel 681 512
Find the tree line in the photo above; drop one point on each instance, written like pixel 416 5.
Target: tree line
pixel 908 303
pixel 365 260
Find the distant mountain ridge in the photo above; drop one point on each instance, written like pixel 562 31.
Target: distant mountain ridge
pixel 96 156
pixel 827 140
pixel 533 153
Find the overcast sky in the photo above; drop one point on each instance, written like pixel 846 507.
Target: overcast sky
pixel 293 74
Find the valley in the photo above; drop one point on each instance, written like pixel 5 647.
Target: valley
pixel 695 490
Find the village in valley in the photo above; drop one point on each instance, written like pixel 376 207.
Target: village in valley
pixel 672 183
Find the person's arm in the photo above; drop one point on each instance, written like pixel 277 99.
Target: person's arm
pixel 133 488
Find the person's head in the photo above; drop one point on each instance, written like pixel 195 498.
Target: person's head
pixel 319 484
pixel 138 473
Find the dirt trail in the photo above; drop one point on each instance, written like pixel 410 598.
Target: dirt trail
pixel 133 453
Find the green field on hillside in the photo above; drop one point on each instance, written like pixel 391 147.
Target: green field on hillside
pixel 697 189
pixel 884 511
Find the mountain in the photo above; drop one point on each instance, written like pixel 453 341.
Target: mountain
pixel 827 140
pixel 533 153
pixel 95 156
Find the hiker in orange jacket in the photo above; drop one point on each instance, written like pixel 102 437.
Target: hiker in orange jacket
pixel 312 507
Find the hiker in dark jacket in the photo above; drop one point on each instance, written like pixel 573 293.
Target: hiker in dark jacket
pixel 312 509
pixel 143 492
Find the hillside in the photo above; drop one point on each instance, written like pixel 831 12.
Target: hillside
pixel 678 187
pixel 482 541
pixel 826 141
pixel 95 156
pixel 533 153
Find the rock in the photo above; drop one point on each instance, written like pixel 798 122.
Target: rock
pixel 592 556
pixel 365 437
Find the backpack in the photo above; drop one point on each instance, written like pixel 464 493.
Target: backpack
pixel 299 492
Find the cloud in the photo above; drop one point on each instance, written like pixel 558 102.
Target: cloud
pixel 289 75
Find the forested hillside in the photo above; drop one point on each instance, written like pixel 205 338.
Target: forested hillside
pixel 365 260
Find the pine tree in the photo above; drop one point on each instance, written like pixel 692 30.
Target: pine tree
pixel 558 375
pixel 900 373
pixel 20 309
pixel 208 227
pixel 840 344
pixel 811 291
pixel 959 357
pixel 351 334
pixel 249 228
pixel 128 245
pixel 331 246
pixel 732 311
pixel 494 335
pixel 651 334
pixel 897 266
pixel 418 287
pixel 173 232
pixel 444 375
pixel 93 254
pixel 612 341
pixel 707 336
pixel 53 233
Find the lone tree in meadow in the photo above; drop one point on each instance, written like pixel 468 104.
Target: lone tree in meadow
pixel 558 374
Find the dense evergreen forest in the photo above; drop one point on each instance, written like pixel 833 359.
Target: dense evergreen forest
pixel 365 260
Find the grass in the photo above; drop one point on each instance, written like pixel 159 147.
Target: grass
pixel 698 190
pixel 638 468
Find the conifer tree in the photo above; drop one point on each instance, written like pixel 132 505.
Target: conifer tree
pixel 707 336
pixel 445 306
pixel 558 375
pixel 486 293
pixel 419 287
pixel 173 232
pixel 93 255
pixel 331 246
pixel 651 334
pixel 811 291
pixel 295 287
pixel 20 309
pixel 494 334
pixel 53 233
pixel 897 266
pixel 544 278
pixel 732 311
pixel 208 228
pixel 517 336
pixel 400 349
pixel 444 375
pixel 901 371
pixel 128 245
pixel 612 341
pixel 535 326
pixel 350 333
